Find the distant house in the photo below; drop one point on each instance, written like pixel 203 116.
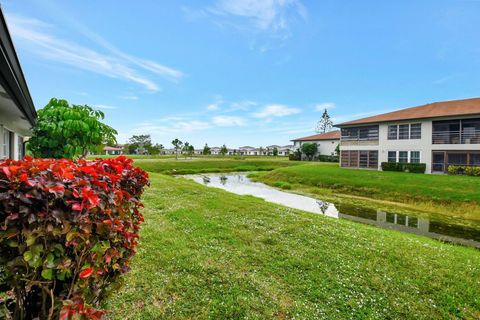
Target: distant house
pixel 438 134
pixel 17 112
pixel 114 151
pixel 326 142
pixel 248 151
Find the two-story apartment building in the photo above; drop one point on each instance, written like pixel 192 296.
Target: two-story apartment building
pixel 17 113
pixel 438 134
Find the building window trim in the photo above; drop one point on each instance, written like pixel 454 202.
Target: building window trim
pixel 408 158
pixel 393 131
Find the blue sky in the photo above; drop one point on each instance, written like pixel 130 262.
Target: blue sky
pixel 245 72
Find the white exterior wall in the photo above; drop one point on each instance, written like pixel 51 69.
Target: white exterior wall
pixel 424 145
pixel 325 147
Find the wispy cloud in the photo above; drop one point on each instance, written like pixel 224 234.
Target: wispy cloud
pixel 268 23
pixel 129 97
pixel 213 107
pixel 244 105
pixel 324 105
pixel 266 15
pixel 173 127
pixel 103 106
pixel 275 110
pixel 228 121
pixel 41 39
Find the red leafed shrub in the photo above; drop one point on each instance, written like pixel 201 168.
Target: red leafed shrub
pixel 68 230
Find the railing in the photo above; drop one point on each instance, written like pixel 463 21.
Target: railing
pixel 456 137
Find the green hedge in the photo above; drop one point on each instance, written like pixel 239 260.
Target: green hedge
pixel 323 158
pixel 464 170
pixel 404 167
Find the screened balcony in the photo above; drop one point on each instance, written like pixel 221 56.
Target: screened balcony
pixel 363 133
pixel 456 132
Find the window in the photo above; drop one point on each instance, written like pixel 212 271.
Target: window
pixel 363 159
pixel 403 131
pixel 6 143
pixel 416 131
pixel 344 157
pixel 21 149
pixel 414 156
pixel 403 156
pixel 392 156
pixel 359 159
pixel 373 159
pixel 393 132
pixel 369 133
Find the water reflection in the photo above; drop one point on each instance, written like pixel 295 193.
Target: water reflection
pixel 451 231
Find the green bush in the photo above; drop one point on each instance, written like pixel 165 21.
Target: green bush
pixel 464 170
pixel 282 185
pixel 472 171
pixel 323 158
pixel 404 167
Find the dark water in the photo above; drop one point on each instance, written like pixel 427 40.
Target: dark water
pixel 452 230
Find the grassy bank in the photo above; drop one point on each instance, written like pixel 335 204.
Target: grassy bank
pixel 204 165
pixel 451 195
pixel 209 254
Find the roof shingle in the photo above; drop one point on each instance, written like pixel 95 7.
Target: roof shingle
pixel 431 110
pixel 332 135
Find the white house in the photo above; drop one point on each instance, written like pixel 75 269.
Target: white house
pixel 326 142
pixel 107 150
pixel 438 134
pixel 17 112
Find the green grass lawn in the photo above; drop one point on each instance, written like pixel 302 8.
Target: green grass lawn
pixel 213 164
pixel 209 254
pixel 454 195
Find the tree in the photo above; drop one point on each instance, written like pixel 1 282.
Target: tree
pixel 325 124
pixel 139 144
pixel 177 144
pixel 188 150
pixel 309 149
pixel 206 150
pixel 275 151
pixel 69 131
pixel 337 150
pixel 155 149
pixel 223 150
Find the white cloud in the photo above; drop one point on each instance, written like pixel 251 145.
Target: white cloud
pixel 325 105
pixel 39 38
pixel 212 107
pixel 276 110
pixel 228 121
pixel 265 15
pixel 184 126
pixel 242 105
pixel 129 97
pixel 103 106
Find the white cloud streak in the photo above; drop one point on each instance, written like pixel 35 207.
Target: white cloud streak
pixel 275 110
pixel 265 15
pixel 39 38
pixel 228 121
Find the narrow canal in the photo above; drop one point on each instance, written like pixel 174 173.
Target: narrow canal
pixel 458 232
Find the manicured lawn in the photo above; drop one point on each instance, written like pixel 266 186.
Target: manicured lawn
pixel 458 195
pixel 209 254
pixel 213 164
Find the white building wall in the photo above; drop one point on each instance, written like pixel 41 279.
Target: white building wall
pixel 424 145
pixel 325 147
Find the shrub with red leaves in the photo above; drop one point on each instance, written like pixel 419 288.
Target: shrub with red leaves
pixel 68 230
